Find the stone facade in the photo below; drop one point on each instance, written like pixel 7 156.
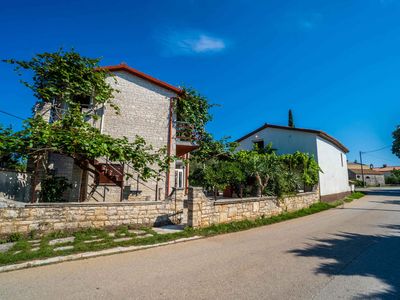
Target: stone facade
pixel 47 218
pixel 203 212
pixel 144 111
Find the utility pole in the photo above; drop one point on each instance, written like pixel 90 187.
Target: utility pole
pixel 362 169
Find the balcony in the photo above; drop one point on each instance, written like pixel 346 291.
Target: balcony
pixel 186 138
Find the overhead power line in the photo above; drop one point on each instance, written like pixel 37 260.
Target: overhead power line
pixel 376 150
pixel 12 115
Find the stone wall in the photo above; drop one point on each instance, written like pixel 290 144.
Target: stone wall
pixel 198 210
pixel 203 211
pixel 51 217
pixel 15 185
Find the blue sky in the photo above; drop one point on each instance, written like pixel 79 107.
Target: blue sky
pixel 336 64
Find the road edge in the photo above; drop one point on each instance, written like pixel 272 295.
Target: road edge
pixel 91 254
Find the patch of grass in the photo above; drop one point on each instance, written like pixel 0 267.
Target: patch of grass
pixel 354 196
pixel 101 238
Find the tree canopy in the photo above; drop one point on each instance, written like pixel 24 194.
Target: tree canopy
pixel 290 119
pixel 396 142
pixel 192 108
pixel 74 137
pixel 64 77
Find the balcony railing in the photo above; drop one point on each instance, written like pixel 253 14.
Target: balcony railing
pixel 185 132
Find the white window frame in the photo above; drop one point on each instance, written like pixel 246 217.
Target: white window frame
pixel 179 179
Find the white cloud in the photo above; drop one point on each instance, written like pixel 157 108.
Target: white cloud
pixel 191 43
pixel 309 21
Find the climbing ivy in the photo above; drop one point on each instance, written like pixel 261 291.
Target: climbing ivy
pixel 74 137
pixel 62 79
pixel 192 108
pixel 65 77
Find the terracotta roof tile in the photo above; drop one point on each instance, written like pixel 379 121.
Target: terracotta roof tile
pixel 126 68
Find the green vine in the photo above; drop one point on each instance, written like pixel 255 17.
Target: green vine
pixel 192 108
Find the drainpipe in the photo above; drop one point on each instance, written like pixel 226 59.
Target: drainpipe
pixel 103 110
pixel 169 145
pixel 187 171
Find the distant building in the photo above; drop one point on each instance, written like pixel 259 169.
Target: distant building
pixel 371 177
pixel 387 170
pixel 328 152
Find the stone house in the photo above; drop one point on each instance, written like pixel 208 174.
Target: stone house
pixel 328 152
pixel 371 176
pixel 146 110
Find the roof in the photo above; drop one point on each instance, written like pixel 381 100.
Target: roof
pixel 387 169
pixel 126 68
pixel 319 133
pixel 354 166
pixel 366 171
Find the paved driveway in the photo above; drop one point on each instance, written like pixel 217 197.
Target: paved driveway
pixel 349 253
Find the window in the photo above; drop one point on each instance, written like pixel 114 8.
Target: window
pixel 341 158
pixel 84 101
pixel 179 179
pixel 259 144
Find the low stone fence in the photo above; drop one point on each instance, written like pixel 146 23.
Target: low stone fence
pixel 73 216
pixel 198 210
pixel 203 212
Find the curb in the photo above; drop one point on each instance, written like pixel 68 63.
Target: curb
pixel 72 257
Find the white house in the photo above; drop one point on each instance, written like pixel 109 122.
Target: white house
pixel 329 153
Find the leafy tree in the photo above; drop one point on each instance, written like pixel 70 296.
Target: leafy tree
pixel 9 160
pixel 261 166
pixel 62 79
pixel 303 164
pixel 268 149
pixel 53 188
pixel 65 77
pixel 192 108
pixel 396 141
pixel 209 148
pixel 74 137
pixel 290 119
pixel 219 174
pixel 394 177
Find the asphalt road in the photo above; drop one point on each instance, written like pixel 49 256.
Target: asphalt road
pixel 349 253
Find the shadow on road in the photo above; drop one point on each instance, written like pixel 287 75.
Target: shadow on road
pixel 382 192
pixel 353 254
pixel 393 202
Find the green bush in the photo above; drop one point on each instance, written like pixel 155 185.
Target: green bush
pixel 257 172
pixel 14 237
pixel 53 187
pixel 392 179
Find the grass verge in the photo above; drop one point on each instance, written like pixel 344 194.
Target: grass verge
pixel 26 249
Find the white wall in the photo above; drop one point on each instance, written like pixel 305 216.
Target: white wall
pixel 285 141
pixel 334 178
